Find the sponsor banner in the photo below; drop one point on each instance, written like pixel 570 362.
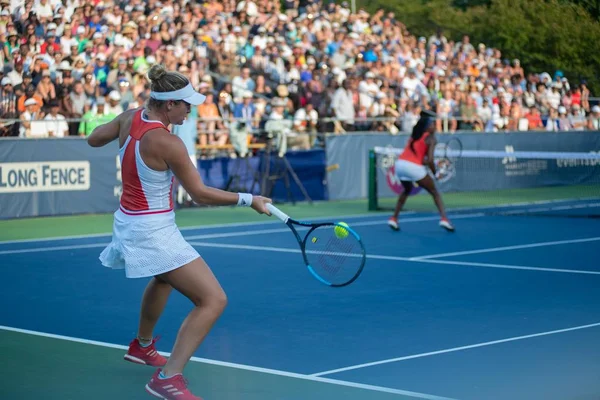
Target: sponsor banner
pixel 44 177
pixel 49 176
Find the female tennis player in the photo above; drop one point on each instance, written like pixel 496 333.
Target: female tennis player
pixel 146 241
pixel 410 167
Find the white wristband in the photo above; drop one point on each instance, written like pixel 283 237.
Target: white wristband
pixel 244 199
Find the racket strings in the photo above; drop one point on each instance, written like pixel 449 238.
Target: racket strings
pixel 336 259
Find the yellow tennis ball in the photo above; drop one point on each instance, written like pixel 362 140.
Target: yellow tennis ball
pixel 340 231
pixel 314 240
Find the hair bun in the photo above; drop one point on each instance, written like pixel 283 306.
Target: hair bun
pixel 157 72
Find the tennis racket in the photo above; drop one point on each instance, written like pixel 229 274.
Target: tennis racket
pixel 449 153
pixel 333 252
pixel 453 149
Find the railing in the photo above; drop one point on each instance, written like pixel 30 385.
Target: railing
pixel 393 125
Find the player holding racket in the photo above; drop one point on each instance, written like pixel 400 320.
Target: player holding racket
pixel 410 167
pixel 146 241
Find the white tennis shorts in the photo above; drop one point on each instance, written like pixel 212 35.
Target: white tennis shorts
pixel 409 171
pixel 147 245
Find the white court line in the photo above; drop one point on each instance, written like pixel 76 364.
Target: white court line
pixel 352 225
pixel 558 208
pixel 394 258
pixel 225 234
pixel 505 266
pixel 239 366
pixel 504 248
pixel 454 349
pixel 375 214
pixel 296 250
pixel 204 227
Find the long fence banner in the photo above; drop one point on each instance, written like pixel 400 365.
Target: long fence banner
pixel 56 177
pixel 45 177
pixel 351 152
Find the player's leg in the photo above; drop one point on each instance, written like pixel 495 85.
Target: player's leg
pixel 141 349
pixel 393 221
pixel 428 184
pixel 196 281
pixel 154 301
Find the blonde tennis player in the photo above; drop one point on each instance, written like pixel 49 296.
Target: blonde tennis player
pixel 146 241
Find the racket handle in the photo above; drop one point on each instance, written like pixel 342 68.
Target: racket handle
pixel 277 212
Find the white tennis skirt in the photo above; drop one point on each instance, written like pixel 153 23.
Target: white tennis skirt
pixel 409 171
pixel 147 245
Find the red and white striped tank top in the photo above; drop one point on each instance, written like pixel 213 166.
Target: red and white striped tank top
pixel 145 191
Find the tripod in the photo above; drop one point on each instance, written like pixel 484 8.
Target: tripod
pixel 282 169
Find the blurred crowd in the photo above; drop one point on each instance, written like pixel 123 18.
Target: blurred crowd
pixel 67 66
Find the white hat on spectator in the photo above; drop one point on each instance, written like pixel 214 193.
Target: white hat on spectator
pixel 278 102
pixel 51 27
pixel 80 29
pixel 562 110
pixel 596 109
pixel 114 95
pixel 97 35
pixel 237 29
pixel 282 17
pixel 64 66
pixel 30 102
pixel 151 60
pixel 101 57
pixel 4 12
pixel 369 75
pixel 6 81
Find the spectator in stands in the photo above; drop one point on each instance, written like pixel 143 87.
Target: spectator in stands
pixel 243 83
pixel 484 113
pixel 564 122
pixel 534 120
pixel 209 115
pixel 244 114
pixel 577 119
pixel 594 119
pixel 31 126
pixel 552 123
pixel 55 123
pixel 343 108
pixel 305 122
pixel 96 115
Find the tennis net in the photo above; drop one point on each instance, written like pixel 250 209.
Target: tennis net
pixel 496 182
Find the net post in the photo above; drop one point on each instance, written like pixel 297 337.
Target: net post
pixel 373 206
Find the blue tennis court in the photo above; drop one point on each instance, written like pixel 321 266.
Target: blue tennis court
pixel 505 308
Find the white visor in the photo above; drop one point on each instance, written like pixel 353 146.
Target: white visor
pixel 187 94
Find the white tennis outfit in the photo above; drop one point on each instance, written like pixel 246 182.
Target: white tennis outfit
pixel 146 240
pixel 409 171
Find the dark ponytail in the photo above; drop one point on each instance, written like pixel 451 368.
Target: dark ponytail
pixel 420 128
